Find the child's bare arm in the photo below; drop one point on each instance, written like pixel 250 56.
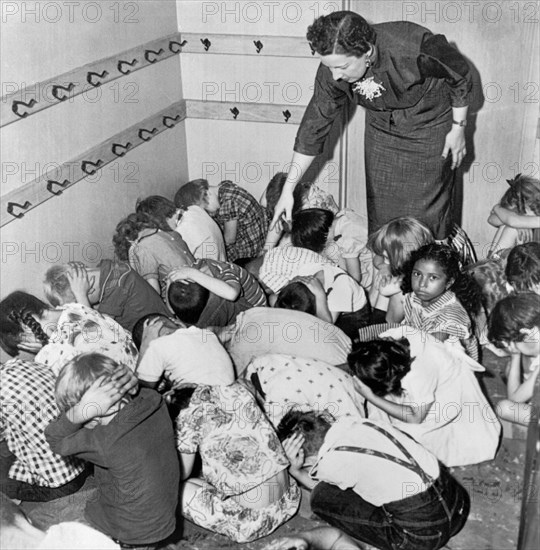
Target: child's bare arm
pixel 518 391
pixel 506 237
pixel 405 413
pixel 513 219
pixel 354 268
pixel 395 312
pixel 230 229
pixel 217 286
pixel 295 453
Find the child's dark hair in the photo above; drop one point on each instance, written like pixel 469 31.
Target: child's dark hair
pixel 297 296
pixel 16 311
pixel 191 193
pixel 381 364
pixel 523 266
pixel 465 287
pixel 511 315
pixel 179 399
pixel 310 228
pixel 524 192
pixel 138 328
pixel 157 209
pixel 312 425
pixel 341 32
pixel 188 300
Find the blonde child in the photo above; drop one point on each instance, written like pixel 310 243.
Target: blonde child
pixel 130 441
pixel 517 216
pixel 439 298
pixel 391 246
pixel 514 325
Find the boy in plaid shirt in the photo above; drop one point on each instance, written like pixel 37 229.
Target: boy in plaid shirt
pixel 242 219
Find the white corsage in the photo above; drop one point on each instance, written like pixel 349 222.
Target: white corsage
pixel 368 88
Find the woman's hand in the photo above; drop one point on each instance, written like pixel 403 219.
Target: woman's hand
pixel 284 207
pixel 455 144
pixel 294 451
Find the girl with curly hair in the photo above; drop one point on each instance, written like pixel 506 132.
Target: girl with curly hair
pixel 149 241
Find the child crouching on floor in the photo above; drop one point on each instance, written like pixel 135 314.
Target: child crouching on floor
pixel 129 440
pixel 514 325
pixel 373 482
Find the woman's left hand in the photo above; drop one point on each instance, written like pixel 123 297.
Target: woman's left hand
pixel 455 144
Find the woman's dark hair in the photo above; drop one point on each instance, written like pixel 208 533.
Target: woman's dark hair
pixel 17 310
pixel 523 266
pixel 157 209
pixel 465 287
pixel 511 315
pixel 188 300
pixel 312 425
pixel 297 296
pixel 191 193
pixel 341 32
pixel 310 228
pixel 381 364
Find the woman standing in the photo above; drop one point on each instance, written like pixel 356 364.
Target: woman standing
pixel 415 88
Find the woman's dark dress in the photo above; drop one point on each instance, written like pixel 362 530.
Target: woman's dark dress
pixel 424 77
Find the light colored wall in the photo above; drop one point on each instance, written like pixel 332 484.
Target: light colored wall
pixel 246 152
pixel 500 38
pixel 79 224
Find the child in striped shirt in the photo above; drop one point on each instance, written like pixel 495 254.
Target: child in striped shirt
pixel 439 298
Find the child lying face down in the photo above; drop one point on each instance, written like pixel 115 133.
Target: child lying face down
pixel 514 325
